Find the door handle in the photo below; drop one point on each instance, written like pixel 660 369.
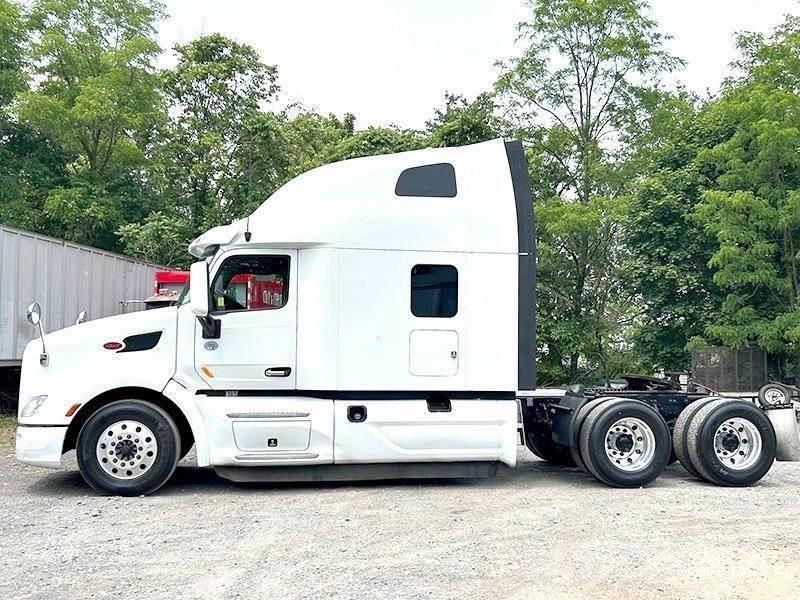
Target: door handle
pixel 278 372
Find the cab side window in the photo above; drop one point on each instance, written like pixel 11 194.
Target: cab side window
pixel 257 282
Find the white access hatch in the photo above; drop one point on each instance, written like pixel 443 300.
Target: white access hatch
pixel 433 352
pixel 272 436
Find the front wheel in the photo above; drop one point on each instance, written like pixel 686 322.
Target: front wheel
pixel 128 448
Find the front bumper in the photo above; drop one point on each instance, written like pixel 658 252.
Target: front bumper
pixel 40 446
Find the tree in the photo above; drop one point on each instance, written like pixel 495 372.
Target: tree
pixel 375 140
pixel 752 204
pixel 461 122
pixel 161 238
pixel 306 139
pixel 667 253
pixel 12 42
pixel 211 145
pixel 95 96
pixel 30 165
pixel 581 82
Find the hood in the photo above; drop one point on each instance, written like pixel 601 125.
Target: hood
pixel 110 329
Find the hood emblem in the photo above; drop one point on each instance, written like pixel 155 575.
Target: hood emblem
pixel 211 345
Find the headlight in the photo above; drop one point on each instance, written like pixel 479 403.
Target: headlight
pixel 32 406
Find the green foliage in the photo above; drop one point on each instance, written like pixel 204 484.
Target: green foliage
pixel 12 41
pixel 375 140
pixel 161 238
pixel 94 98
pixel 751 204
pixel 96 89
pixel 667 253
pixel 30 165
pixel 461 122
pixel 576 91
pixel 209 145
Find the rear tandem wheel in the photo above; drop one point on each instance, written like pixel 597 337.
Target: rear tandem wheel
pixel 625 443
pixel 731 442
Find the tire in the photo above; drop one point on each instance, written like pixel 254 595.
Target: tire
pixel 612 450
pixel 134 430
pixel 774 394
pixel 681 429
pixel 575 430
pixel 550 452
pixel 726 431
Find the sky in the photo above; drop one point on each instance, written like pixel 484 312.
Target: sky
pixel 391 61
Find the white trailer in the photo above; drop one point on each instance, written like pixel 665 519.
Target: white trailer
pixel 65 278
pixel 373 318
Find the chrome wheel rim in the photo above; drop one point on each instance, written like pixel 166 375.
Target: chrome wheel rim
pixel 630 444
pixel 774 396
pixel 127 449
pixel 737 444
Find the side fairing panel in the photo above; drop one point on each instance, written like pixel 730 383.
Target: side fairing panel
pixel 256 430
pixel 317 319
pixel 376 322
pixel 406 431
pixel 490 349
pixel 356 330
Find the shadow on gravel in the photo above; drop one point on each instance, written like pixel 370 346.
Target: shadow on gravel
pixel 59 483
pixel 192 479
pixel 526 474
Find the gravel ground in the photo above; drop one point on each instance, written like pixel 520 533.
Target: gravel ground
pixel 543 532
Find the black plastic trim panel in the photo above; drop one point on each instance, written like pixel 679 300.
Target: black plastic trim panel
pixel 141 341
pixel 526 288
pixel 368 395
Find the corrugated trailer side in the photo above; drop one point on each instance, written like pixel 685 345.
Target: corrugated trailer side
pixel 64 278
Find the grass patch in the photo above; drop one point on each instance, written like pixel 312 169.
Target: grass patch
pixel 7 427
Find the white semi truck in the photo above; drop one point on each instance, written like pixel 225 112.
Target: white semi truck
pixel 373 318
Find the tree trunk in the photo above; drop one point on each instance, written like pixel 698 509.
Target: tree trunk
pixel 573 367
pixel 797 367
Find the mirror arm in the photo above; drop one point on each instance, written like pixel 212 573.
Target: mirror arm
pixel 44 357
pixel 212 328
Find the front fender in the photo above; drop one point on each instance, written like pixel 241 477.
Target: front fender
pixel 184 399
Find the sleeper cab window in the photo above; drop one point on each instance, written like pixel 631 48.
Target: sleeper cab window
pixel 434 291
pixel 251 282
pixel 431 181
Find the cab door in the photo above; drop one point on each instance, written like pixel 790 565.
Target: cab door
pixel 254 298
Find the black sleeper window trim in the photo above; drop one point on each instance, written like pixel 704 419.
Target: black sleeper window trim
pixel 428 181
pixel 434 291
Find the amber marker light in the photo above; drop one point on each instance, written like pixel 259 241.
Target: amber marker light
pixel 207 371
pixel 72 409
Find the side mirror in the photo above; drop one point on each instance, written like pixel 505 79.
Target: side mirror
pixel 35 319
pixel 81 317
pixel 198 289
pixel 199 300
pixel 34 314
